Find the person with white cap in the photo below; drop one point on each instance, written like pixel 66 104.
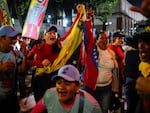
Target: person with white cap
pixel 67 97
pixel 9 69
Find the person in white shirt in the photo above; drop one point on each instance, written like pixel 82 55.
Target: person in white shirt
pixel 105 71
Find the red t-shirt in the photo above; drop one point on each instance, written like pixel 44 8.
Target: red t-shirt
pixel 119 55
pixel 41 52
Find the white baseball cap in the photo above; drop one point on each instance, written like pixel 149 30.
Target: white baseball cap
pixel 69 73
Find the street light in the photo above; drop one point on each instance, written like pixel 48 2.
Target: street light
pixel 48 18
pixel 108 23
pixel 65 22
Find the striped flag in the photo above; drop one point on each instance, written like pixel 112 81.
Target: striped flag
pixel 91 64
pixel 5 18
pixel 70 42
pixel 34 18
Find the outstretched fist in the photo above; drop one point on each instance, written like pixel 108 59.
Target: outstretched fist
pixel 89 13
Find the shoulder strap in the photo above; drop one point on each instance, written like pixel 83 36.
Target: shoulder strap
pixel 81 103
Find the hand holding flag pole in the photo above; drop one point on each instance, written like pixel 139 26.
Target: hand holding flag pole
pixel 71 40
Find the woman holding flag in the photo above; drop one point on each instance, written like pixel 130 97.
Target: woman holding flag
pixel 42 55
pixel 49 56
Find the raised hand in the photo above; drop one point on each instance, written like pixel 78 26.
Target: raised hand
pixel 144 9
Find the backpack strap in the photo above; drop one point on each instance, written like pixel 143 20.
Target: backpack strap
pixel 81 102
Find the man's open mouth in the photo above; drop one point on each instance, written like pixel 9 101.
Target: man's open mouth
pixel 143 54
pixel 52 38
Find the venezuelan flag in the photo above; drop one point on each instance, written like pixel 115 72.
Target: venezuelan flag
pixel 70 41
pixel 91 64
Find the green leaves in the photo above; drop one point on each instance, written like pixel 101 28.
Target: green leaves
pixel 105 9
pixel 23 7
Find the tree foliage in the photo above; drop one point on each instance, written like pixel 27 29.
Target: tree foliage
pixel 23 7
pixel 103 8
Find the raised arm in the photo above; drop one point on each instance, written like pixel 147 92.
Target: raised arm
pixel 144 9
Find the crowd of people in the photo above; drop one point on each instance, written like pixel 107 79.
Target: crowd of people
pixel 78 88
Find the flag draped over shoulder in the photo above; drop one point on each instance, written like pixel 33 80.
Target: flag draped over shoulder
pixel 70 41
pixel 34 19
pixel 5 18
pixel 91 66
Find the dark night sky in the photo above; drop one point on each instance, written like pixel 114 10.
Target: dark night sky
pixel 135 2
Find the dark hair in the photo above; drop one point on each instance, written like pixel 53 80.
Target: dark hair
pixel 118 34
pixel 102 32
pixel 133 42
pixel 144 36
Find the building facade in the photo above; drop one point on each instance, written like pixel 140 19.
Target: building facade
pixel 122 19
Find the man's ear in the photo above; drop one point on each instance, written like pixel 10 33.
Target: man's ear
pixel 78 86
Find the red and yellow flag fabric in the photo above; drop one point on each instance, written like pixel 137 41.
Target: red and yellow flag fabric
pixel 34 18
pixel 5 18
pixel 70 41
